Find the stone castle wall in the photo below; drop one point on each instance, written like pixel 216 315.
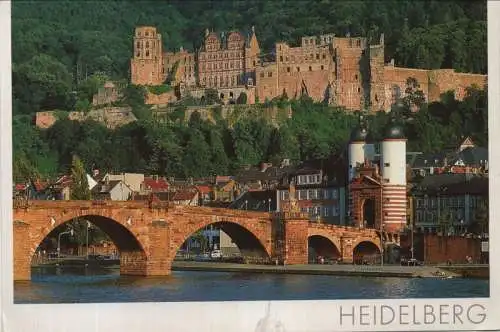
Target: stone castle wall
pixel 348 70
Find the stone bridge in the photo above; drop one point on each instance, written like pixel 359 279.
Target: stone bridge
pixel 148 235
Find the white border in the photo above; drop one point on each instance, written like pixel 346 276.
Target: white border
pixel 219 316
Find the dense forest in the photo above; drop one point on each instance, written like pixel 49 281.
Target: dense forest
pixel 63 50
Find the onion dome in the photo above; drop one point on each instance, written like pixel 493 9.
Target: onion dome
pixel 394 131
pixel 359 134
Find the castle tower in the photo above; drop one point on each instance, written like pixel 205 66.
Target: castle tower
pixel 393 170
pixel 377 85
pixel 146 66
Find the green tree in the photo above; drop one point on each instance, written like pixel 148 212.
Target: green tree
pixel 42 83
pixel 242 99
pixel 79 184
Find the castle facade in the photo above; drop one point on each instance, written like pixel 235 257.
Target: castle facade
pixel 344 71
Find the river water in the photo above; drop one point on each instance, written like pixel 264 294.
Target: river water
pixel 78 286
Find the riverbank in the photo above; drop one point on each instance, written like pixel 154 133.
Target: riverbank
pixel 336 270
pixel 396 271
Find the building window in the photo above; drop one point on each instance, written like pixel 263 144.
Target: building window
pixel 298 69
pixel 326 194
pixel 387 164
pixel 324 56
pixel 335 211
pixel 281 58
pixel 261 74
pixel 310 68
pixel 270 74
pixel 302 194
pixel 356 77
pixel 322 67
pixel 359 89
pixel 326 211
pixel 335 194
pixel 288 69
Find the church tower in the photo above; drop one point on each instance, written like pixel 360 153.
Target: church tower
pixel 146 66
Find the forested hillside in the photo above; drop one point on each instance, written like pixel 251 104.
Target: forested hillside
pixel 63 50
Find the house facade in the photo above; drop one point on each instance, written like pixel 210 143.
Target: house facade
pixel 450 203
pixel 322 199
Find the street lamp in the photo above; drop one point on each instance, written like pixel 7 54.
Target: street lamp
pixel 246 204
pixel 269 205
pixel 71 232
pixel 381 243
pixel 87 239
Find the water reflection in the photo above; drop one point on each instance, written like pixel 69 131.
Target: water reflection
pixel 106 285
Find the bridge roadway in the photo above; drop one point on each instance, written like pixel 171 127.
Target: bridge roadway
pixel 149 234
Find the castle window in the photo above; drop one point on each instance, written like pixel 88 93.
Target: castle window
pixel 138 54
pixel 358 43
pixel 254 63
pixel 270 74
pixel 147 33
pixel 359 89
pixel 281 58
pixel 324 56
pixel 356 77
pixel 317 56
pixel 312 56
pixel 310 68
pixel 262 74
pixel 147 44
pixel 288 69
pixel 138 45
pixel 376 98
pixel 322 67
pixel 147 52
pixel 287 59
pixel 298 68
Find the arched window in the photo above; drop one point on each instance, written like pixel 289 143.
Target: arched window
pixel 147 44
pixel 138 44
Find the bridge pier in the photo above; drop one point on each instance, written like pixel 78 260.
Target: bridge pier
pixel 296 238
pixel 22 251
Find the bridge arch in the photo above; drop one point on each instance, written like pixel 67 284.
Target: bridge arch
pixel 32 228
pixel 252 237
pixel 323 243
pixel 366 250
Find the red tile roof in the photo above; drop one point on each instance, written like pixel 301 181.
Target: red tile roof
pixel 204 189
pixel 20 186
pixel 184 195
pixel 155 185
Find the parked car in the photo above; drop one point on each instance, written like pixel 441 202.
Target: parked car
pixel 411 262
pixel 216 254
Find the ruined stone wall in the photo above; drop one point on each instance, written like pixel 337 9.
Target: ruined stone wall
pixel 444 80
pixel 267 82
pixel 349 81
pixel 376 84
pixel 397 76
pixel 185 65
pixel 162 99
